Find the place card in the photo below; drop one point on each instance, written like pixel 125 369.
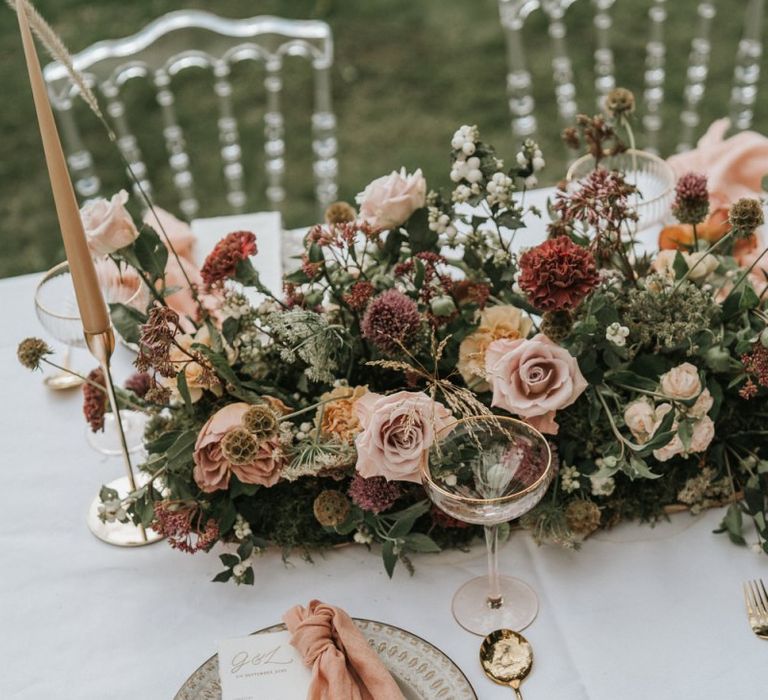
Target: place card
pixel 262 667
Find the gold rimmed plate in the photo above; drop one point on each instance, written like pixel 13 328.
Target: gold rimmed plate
pixel 422 671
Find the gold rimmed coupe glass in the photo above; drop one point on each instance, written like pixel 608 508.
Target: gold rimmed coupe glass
pixel 488 470
pixel 56 308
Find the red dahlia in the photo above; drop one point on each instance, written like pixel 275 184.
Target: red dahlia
pixel 222 261
pixel 557 274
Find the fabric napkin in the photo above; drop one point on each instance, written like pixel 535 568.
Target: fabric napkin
pixel 734 166
pixel 344 667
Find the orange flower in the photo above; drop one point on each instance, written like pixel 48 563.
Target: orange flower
pixel 337 417
pixel 680 236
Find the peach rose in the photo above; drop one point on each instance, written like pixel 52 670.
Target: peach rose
pixel 108 225
pixel 503 321
pixel 389 201
pixel 179 232
pixel 681 382
pixel 702 406
pixel 703 433
pixel 533 378
pixel 212 470
pixel 196 375
pixel 640 417
pixel 397 432
pixel 338 417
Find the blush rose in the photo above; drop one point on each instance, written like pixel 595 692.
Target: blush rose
pixel 389 201
pixel 533 379
pixel 108 225
pixel 398 430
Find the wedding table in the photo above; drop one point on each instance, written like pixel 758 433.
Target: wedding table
pixel 637 613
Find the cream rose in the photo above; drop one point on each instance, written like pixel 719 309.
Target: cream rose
pixel 681 382
pixel 503 321
pixel 702 406
pixel 389 201
pixel 534 379
pixel 640 417
pixel 398 430
pixel 701 264
pixel 108 225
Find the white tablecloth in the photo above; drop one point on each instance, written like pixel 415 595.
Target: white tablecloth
pixel 638 613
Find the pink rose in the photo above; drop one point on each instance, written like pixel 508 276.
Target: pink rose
pixel 397 432
pixel 212 469
pixel 108 225
pixel 681 382
pixel 703 433
pixel 389 201
pixel 533 378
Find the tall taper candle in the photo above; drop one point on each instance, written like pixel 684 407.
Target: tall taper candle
pixel 93 310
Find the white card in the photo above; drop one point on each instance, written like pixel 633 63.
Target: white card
pixel 262 667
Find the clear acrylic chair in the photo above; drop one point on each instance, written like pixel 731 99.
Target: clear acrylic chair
pixel 195 39
pixel 651 89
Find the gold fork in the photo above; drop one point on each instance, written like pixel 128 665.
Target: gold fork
pixel 756 600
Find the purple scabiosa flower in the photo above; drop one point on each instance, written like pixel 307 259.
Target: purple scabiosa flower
pixel 691 204
pixel 375 494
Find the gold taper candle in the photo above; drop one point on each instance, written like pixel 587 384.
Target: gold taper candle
pixel 93 310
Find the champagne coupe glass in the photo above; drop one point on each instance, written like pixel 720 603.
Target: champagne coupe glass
pixel 487 470
pixel 56 308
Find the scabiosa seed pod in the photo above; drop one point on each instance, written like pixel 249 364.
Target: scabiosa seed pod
pixel 261 421
pixel 31 352
pixel 691 204
pixel 556 325
pixel 582 517
pixel 392 319
pixel 239 447
pixel 620 102
pixel 331 508
pixel 374 494
pixel 745 216
pixel 340 213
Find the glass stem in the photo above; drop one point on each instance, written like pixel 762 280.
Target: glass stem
pixel 494 590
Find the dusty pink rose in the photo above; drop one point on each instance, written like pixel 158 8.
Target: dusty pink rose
pixel 108 225
pixel 212 470
pixel 397 432
pixel 681 382
pixel 533 379
pixel 389 201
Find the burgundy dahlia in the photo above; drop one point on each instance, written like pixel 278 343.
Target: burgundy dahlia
pixel 557 274
pixel 691 204
pixel 222 261
pixel 374 494
pixel 392 319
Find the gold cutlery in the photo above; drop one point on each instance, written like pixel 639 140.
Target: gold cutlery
pixel 756 600
pixel 506 658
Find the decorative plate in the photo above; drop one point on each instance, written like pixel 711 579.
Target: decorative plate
pixel 422 671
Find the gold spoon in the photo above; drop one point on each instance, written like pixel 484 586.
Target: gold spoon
pixel 506 658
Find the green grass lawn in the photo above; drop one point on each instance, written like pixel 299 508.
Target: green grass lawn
pixel 407 73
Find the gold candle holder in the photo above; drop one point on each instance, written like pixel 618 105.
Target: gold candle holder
pixel 101 346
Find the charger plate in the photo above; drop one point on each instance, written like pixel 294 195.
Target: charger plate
pixel 422 671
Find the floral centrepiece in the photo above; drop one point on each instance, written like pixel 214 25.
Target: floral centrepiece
pixel 304 421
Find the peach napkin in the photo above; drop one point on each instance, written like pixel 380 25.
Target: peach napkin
pixel 344 667
pixel 734 166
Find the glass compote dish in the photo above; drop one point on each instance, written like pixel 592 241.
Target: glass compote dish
pixel 488 470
